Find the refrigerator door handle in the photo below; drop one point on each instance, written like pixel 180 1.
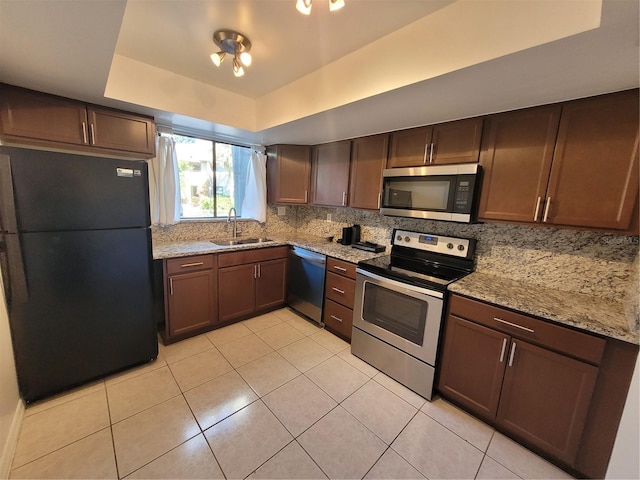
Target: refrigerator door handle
pixel 17 289
pixel 8 220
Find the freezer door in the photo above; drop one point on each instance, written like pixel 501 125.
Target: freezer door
pixel 60 191
pixel 88 308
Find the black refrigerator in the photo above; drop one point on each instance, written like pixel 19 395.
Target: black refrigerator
pixel 77 267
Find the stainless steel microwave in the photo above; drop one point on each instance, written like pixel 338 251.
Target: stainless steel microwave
pixel 440 192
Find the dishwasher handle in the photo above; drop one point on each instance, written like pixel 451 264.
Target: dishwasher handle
pixel 311 257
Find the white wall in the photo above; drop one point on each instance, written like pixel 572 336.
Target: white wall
pixel 625 458
pixel 11 407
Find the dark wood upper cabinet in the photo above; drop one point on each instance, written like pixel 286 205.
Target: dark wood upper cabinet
pixel 288 174
pixel 368 160
pixel 34 118
pixel 450 142
pixel 517 150
pixel 594 175
pixel 330 174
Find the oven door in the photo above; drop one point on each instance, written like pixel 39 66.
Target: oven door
pixel 399 314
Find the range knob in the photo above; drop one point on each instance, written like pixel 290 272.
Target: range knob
pixel 461 247
pixel 450 246
pixel 399 238
pixel 407 239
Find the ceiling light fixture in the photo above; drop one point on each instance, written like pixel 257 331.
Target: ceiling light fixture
pixel 235 44
pixel 304 6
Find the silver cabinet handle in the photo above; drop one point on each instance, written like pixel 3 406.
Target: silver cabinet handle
pixel 431 152
pixel 194 264
pixel 344 199
pixel 170 286
pixel 504 347
pixel 379 199
pixel 424 158
pixel 342 269
pixel 259 271
pixel 93 134
pixel 341 292
pixel 546 209
pixel 513 352
pixel 84 133
pixel 336 318
pixel 306 195
pixel 255 271
pixel 513 325
pixel 535 215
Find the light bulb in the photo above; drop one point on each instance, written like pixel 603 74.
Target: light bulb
pixel 304 6
pixel 238 71
pixel 245 59
pixel 217 58
pixel 335 5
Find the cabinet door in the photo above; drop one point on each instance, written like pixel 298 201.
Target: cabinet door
pixel 121 131
pixel 517 149
pixel 236 291
pixel 330 174
pixel 192 302
pixel 409 148
pixel 456 142
pixel 594 176
pixel 33 115
pixel 473 363
pixel 368 159
pixel 545 399
pixel 288 174
pixel 271 284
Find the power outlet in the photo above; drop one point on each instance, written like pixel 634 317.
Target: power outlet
pixel 328 217
pixel 282 211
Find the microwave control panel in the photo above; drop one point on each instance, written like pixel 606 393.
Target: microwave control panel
pixel 457 247
pixel 463 198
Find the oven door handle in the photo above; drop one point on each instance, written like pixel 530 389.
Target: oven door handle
pixel 382 281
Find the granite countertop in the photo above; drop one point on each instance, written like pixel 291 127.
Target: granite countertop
pixel 586 312
pixel 319 245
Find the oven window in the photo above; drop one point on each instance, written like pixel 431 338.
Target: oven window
pixel 396 312
pixel 418 193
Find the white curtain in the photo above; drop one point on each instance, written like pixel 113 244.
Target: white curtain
pixel 254 204
pixel 164 183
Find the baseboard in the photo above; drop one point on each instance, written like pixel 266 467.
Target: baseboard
pixel 12 441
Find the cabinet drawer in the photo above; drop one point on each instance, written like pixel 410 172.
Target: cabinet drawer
pixel 252 256
pixel 570 342
pixel 189 264
pixel 340 289
pixel 341 268
pixel 338 318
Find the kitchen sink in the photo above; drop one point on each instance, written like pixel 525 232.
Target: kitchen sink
pixel 240 241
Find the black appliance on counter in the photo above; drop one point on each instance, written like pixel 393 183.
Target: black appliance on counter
pixel 77 267
pixel 350 235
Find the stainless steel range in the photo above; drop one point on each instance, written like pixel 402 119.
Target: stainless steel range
pixel 400 302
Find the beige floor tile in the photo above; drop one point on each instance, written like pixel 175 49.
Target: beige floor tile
pixel 490 469
pixel 136 371
pixel 247 439
pixel 381 411
pixel 139 393
pixel 361 365
pixel 435 451
pixel 268 373
pixel 90 457
pixel 228 334
pixel 199 368
pixel 219 398
pixel 305 354
pixel 280 335
pixel 244 350
pixel 329 341
pixel 292 462
pixel 459 422
pixel 392 466
pixel 330 442
pixel 186 348
pixel 521 461
pixel 403 392
pixel 64 397
pixel 299 404
pixel 152 433
pixel 192 459
pixel 261 322
pixel 56 427
pixel 285 314
pixel 303 325
pixel 337 378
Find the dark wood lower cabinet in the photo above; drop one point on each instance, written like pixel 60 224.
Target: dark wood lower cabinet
pixel 270 284
pixel 236 291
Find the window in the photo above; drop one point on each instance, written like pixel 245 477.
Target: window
pixel 212 176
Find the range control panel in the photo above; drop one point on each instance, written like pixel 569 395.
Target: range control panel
pixel 457 247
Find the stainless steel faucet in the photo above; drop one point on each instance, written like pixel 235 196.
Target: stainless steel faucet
pixel 235 221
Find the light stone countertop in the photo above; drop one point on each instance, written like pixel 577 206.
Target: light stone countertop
pixel 586 312
pixel 318 245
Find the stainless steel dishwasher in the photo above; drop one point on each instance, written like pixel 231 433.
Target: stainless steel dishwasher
pixel 305 285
